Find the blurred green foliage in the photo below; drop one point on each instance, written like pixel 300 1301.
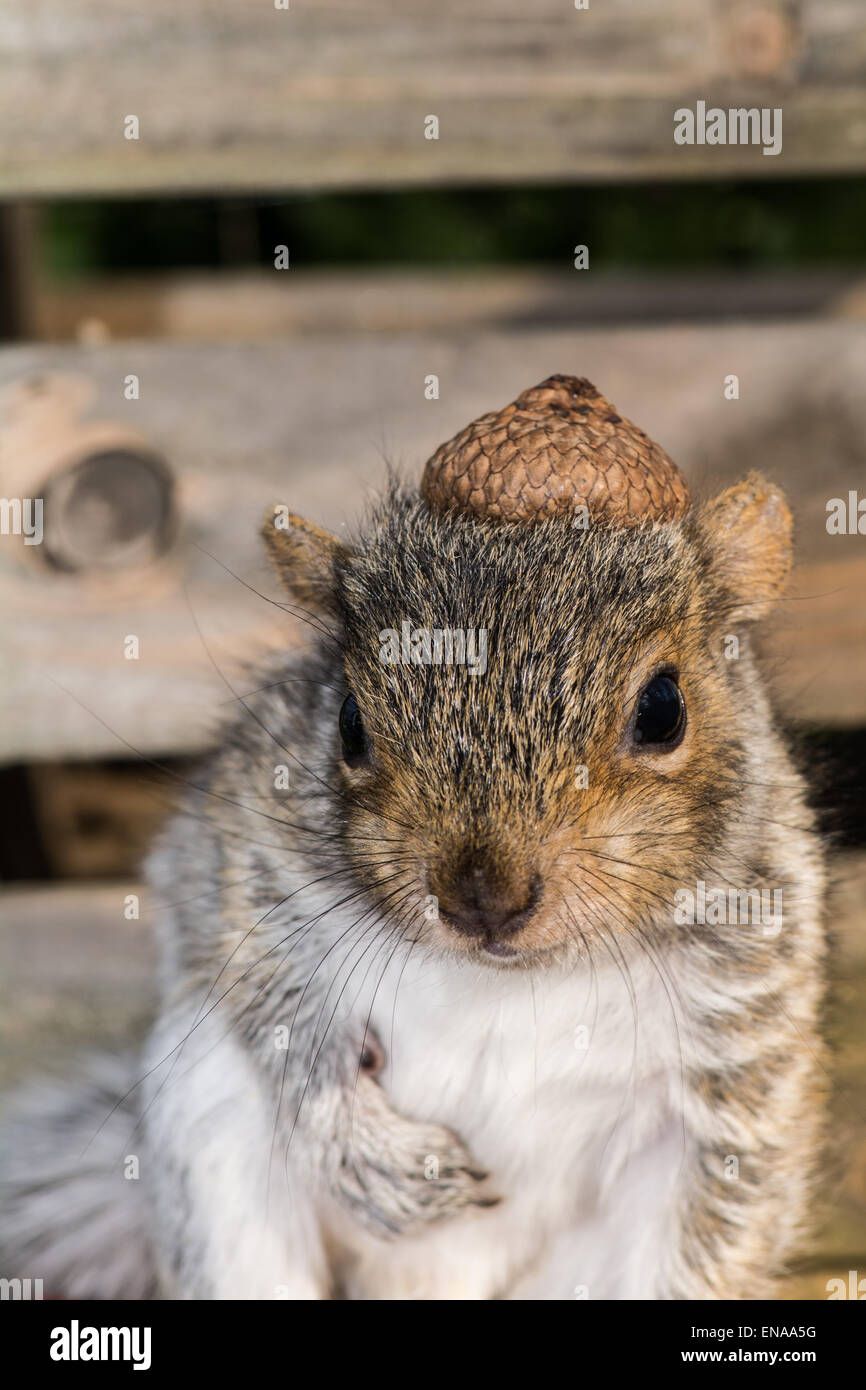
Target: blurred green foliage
pixel 696 224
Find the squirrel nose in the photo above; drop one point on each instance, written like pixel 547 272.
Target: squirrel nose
pixel 479 904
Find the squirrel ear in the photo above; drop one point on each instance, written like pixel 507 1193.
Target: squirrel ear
pixel 306 557
pixel 749 532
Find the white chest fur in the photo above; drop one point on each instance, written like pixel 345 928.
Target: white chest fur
pixel 566 1087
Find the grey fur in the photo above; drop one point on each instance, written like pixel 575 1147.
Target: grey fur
pixel 68 1215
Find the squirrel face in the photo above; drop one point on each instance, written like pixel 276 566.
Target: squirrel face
pixel 591 763
pixel 593 766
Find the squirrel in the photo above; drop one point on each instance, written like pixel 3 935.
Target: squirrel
pixel 434 1023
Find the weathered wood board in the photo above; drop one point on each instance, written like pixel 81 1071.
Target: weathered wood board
pixel 310 422
pixel 242 95
pixel 250 305
pixel 76 975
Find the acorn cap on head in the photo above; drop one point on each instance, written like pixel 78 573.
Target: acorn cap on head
pixel 558 447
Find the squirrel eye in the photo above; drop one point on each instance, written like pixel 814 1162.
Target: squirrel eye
pixel 661 713
pixel 352 732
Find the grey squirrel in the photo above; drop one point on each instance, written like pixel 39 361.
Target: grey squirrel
pixel 435 1023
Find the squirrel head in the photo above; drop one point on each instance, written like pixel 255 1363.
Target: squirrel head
pixel 545 708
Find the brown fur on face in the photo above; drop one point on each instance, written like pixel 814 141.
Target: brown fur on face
pixel 477 776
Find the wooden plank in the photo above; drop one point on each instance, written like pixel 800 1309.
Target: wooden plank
pixel 74 974
pixel 239 95
pixel 251 305
pixel 310 422
pixel 839 1241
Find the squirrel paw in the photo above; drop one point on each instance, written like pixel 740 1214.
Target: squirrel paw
pixel 399 1176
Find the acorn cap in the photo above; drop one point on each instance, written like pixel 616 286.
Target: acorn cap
pixel 559 446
